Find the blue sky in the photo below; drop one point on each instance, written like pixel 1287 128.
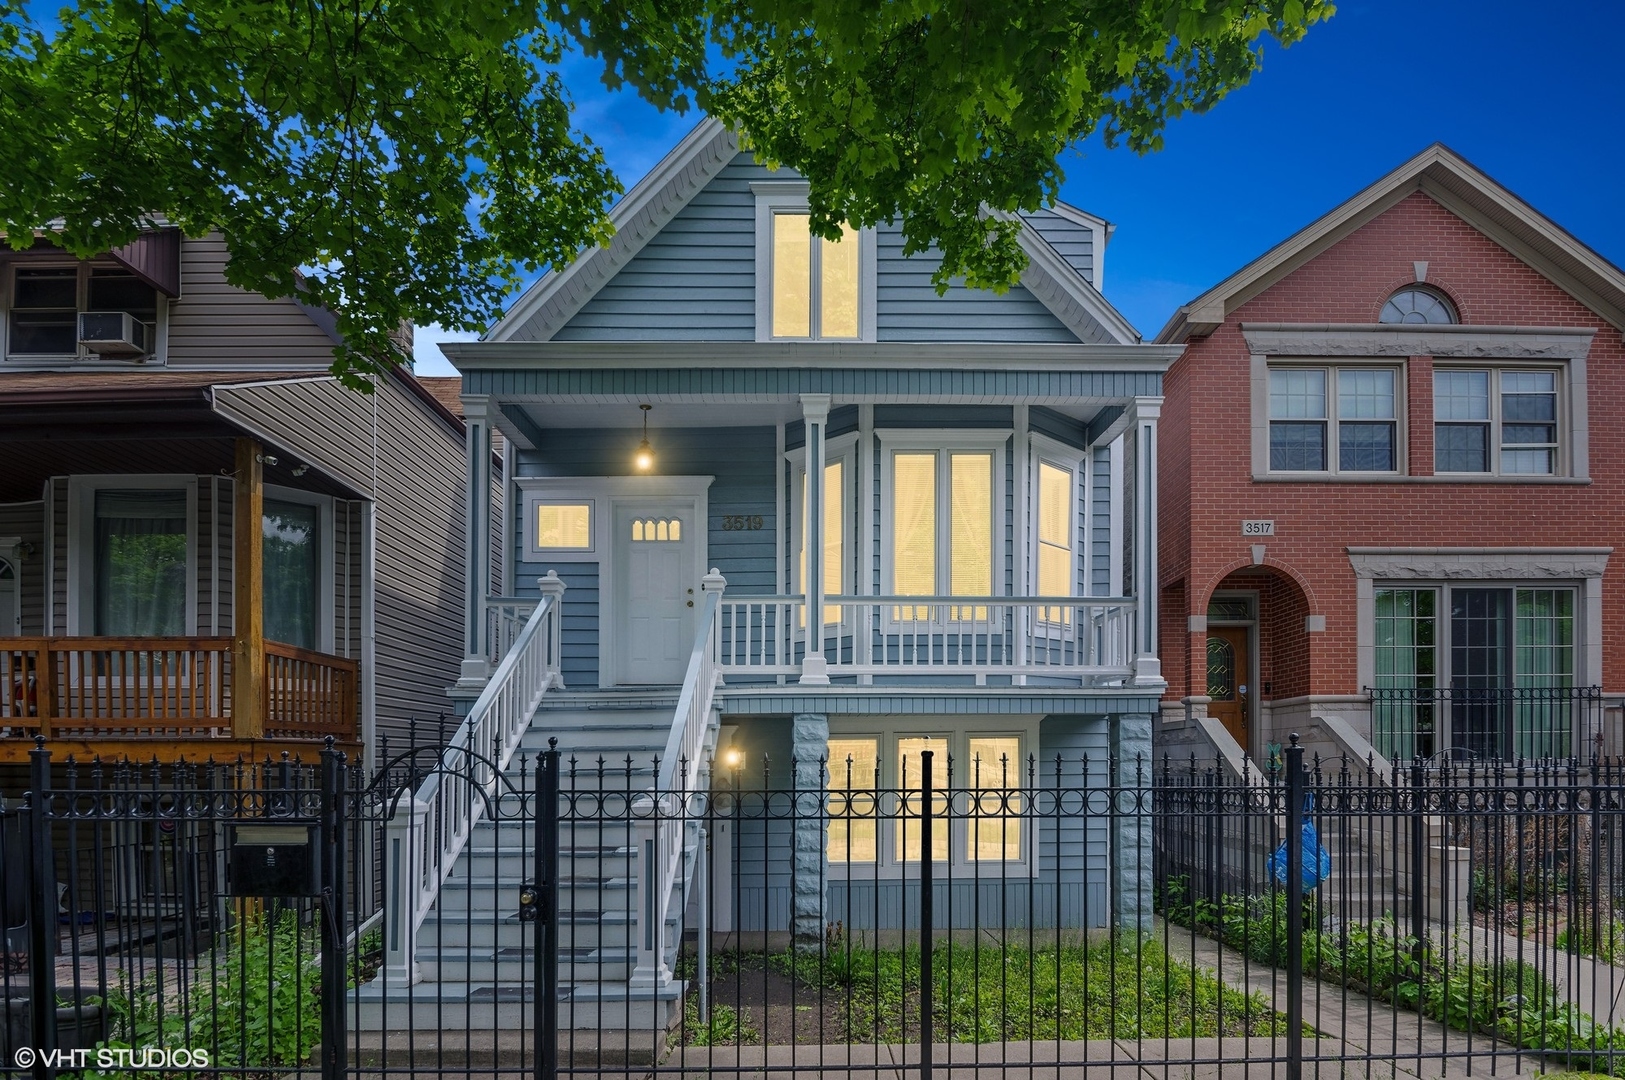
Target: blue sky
pixel 1532 94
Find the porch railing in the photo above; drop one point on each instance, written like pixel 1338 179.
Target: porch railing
pixel 107 688
pixel 505 618
pixel 429 830
pixel 1091 638
pixel 1489 723
pixel 661 831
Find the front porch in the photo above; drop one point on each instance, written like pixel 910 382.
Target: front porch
pixel 171 699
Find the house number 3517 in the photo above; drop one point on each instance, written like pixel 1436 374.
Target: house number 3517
pixel 741 522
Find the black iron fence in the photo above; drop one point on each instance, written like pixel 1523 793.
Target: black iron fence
pixel 1487 723
pixel 818 917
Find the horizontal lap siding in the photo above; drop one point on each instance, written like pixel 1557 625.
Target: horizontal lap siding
pixel 26 521
pixel 695 280
pixel 1073 242
pixel 1100 539
pixel 419 514
pixel 1066 887
pixel 215 325
pixel 740 460
pixel 909 309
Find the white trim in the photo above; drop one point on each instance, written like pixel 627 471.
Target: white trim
pixel 957 731
pixel 790 196
pixel 533 500
pixel 1116 466
pixel 943 441
pixel 842 448
pixel 10 562
pixel 82 490
pixel 834 355
pixel 325 555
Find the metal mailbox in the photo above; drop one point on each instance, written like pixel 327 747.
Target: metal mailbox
pixel 274 860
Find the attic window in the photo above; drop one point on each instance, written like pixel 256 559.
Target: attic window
pixel 809 288
pixel 1414 305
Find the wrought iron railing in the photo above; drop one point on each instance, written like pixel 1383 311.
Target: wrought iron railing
pixel 1486 723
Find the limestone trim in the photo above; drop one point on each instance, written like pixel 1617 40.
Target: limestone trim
pixel 1403 341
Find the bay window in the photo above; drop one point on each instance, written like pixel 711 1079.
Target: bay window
pixel 834 534
pixel 938 514
pixel 292 572
pixel 141 562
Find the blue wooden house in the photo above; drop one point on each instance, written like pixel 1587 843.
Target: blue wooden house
pixel 775 511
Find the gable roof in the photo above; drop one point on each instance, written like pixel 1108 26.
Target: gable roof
pixel 550 303
pixel 1460 187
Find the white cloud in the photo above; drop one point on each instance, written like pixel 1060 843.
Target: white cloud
pixel 427 359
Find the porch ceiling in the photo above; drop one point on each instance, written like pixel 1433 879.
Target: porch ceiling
pixel 767 412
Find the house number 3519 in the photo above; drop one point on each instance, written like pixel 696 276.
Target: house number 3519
pixel 741 522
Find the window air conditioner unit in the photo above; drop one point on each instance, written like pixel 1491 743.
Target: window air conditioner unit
pixel 113 333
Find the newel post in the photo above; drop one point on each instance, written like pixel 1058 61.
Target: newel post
pixel 552 589
pixel 403 869
pixel 649 918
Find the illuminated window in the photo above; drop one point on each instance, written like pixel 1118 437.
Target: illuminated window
pixel 816 282
pixel 852 836
pixel 834 536
pixel 1056 529
pixel 941 521
pixel 564 525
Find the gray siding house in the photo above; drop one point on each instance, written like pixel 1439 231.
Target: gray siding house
pixel 148 409
pixel 779 513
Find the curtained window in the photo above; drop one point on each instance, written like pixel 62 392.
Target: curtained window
pixel 141 563
pixel 292 572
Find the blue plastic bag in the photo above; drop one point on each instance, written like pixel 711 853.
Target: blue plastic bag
pixel 1317 861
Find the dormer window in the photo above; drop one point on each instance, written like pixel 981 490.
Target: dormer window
pixel 815 281
pixel 46 302
pixel 1418 305
pixel 809 288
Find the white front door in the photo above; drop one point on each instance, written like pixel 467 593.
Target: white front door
pixel 658 584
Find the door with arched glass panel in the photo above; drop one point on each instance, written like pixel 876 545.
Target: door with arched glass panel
pixel 1228 662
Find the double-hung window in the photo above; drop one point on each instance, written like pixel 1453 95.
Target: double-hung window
pixel 1496 421
pixel 809 288
pixel 1055 533
pixel 939 505
pixel 1334 420
pixel 45 302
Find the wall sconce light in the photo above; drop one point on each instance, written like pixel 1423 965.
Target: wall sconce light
pixel 644 459
pixel 733 757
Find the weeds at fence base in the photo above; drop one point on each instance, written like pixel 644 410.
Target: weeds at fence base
pixel 992 994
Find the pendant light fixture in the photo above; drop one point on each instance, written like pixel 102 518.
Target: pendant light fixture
pixel 644 459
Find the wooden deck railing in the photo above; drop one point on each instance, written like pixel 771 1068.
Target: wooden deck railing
pixel 94 690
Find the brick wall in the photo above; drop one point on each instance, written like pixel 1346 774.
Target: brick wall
pixel 1207 486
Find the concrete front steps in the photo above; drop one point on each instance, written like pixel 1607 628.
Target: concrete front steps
pixel 475 955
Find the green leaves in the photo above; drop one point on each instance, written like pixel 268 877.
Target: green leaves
pixel 405 160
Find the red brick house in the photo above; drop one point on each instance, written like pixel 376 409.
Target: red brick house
pixel 1392 479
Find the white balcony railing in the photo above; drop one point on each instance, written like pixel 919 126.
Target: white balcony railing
pixel 1088 638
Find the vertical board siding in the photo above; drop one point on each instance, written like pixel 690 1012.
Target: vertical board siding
pixel 216 325
pixel 419 501
pixel 695 280
pixel 1073 242
pixel 740 459
pixel 26 521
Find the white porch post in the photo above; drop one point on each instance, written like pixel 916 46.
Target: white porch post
pixel 815 412
pixel 477 537
pixel 1143 429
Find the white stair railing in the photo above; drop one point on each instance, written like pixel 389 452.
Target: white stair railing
pixel 660 815
pixel 429 829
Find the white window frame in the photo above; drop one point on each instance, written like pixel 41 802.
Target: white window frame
pixel 82 541
pixel 1049 451
pixel 944 442
pixel 325 606
pixel 534 500
pixel 1331 368
pixel 957 735
pixel 790 197
pixel 80 357
pixel 842 448
pixel 1563 456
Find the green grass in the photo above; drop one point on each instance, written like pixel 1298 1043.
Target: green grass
pixel 1605 942
pixel 1107 989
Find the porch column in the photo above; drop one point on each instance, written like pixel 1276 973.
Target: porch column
pixel 1131 855
pixel 809 747
pixel 477 542
pixel 815 412
pixel 1143 429
pixel 248 593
